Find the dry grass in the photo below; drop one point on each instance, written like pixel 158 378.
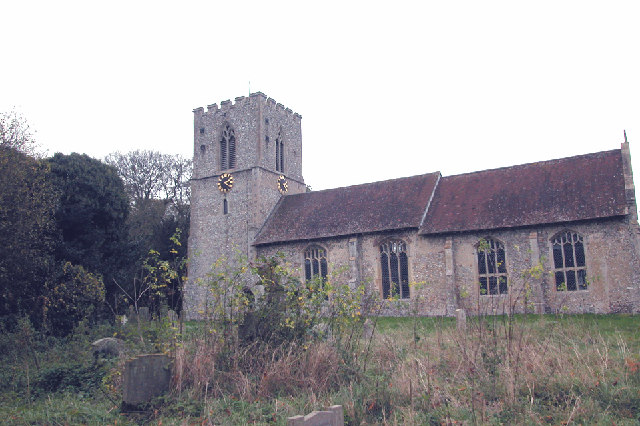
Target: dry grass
pixel 256 372
pixel 500 370
pixel 516 372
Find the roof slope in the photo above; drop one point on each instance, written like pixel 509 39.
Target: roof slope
pixel 387 205
pixel 575 188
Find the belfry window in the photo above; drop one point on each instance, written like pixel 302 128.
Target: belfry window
pixel 228 148
pixel 395 269
pixel 492 267
pixel 279 153
pixel 569 262
pixel 315 263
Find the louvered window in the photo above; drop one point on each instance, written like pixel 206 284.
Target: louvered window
pixel 569 262
pixel 279 153
pixel 394 267
pixel 228 148
pixel 492 267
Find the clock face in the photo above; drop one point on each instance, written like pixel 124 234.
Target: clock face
pixel 282 184
pixel 225 182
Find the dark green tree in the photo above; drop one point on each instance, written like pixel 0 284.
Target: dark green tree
pixel 70 297
pixel 28 229
pixel 91 214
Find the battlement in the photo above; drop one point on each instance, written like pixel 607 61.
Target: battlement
pixel 240 101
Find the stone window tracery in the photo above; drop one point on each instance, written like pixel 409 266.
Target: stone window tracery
pixel 394 266
pixel 569 261
pixel 315 263
pixel 228 148
pixel 492 267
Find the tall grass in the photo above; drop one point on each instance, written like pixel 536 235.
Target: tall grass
pixel 582 369
pixel 516 370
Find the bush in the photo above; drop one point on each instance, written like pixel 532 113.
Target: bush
pixel 73 297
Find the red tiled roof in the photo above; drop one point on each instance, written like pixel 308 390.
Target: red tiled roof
pixel 387 205
pixel 569 189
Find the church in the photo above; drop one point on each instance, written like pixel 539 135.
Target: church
pixel 547 237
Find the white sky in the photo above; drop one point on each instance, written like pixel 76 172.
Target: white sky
pixel 385 89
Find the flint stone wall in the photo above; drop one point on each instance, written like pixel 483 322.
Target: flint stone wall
pixel 446 268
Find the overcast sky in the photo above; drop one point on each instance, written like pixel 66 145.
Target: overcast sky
pixel 385 89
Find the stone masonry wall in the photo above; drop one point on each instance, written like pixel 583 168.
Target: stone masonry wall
pixel 611 261
pixel 257 122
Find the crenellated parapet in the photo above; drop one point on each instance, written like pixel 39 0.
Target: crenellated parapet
pixel 258 142
pixel 243 101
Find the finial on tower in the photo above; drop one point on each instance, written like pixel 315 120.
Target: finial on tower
pixel 625 136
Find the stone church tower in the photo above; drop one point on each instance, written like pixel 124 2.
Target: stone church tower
pixel 247 155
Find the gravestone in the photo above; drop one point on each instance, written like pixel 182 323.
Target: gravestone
pixel 334 416
pixel 143 313
pixel 109 346
pixel 461 319
pixel 145 377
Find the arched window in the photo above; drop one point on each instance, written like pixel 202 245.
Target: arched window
pixel 279 153
pixel 227 148
pixel 492 268
pixel 315 263
pixel 569 261
pixel 395 269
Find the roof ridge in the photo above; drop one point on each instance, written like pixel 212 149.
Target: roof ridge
pixel 371 207
pixel 554 160
pixel 365 184
pixel 566 189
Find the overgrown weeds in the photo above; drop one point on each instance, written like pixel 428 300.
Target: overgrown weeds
pixel 317 351
pixel 571 369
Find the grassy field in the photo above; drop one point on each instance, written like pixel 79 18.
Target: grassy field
pixel 582 369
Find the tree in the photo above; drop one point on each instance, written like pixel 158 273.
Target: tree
pixel 15 133
pixel 158 189
pixel 176 184
pixel 52 213
pixel 74 294
pixel 28 229
pixel 153 175
pixel 92 212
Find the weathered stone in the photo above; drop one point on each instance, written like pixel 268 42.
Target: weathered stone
pixel 109 347
pixel 145 377
pixel 445 258
pixel 334 416
pixel 225 223
pixel 461 320
pixel 143 313
pixel 133 316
